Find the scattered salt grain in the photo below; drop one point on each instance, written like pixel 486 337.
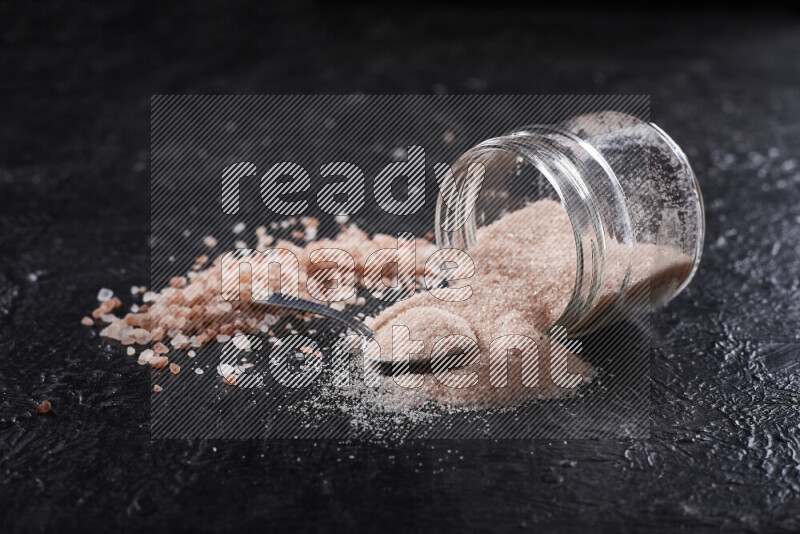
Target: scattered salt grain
pixel 145 356
pixel 198 371
pixel 87 321
pixel 174 368
pixel 242 343
pixel 341 219
pixel 239 228
pixel 159 362
pixel 157 388
pixel 191 354
pixel 229 379
pixel 210 241
pixel 104 294
pixel 131 351
pixel 43 407
pixel 240 245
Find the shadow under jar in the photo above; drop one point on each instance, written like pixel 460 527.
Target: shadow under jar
pixel 634 206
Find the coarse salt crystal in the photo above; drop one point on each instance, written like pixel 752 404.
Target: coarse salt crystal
pixel 43 407
pixel 210 241
pixel 239 228
pixel 145 356
pixel 104 294
pixel 229 379
pixel 241 343
pixel 225 369
pixel 158 362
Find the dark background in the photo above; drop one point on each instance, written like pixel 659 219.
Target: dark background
pixel 74 147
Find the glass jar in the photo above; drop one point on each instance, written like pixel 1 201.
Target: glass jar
pixel 633 202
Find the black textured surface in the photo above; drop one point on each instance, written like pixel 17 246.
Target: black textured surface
pixel 725 445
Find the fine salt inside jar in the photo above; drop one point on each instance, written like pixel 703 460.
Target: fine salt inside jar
pixel 634 206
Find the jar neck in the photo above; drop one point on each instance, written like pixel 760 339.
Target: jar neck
pixel 578 176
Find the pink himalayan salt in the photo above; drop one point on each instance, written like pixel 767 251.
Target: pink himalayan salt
pixel 191 311
pixel 524 275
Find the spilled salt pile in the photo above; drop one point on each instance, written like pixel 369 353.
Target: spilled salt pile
pixel 192 312
pixel 524 276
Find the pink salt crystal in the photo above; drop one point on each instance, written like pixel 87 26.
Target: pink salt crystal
pixel 210 241
pixel 87 321
pixel 43 407
pixel 145 356
pixel 229 379
pixel 157 388
pixel 158 362
pixel 141 336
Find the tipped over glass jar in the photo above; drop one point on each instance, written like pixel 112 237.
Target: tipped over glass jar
pixel 634 206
